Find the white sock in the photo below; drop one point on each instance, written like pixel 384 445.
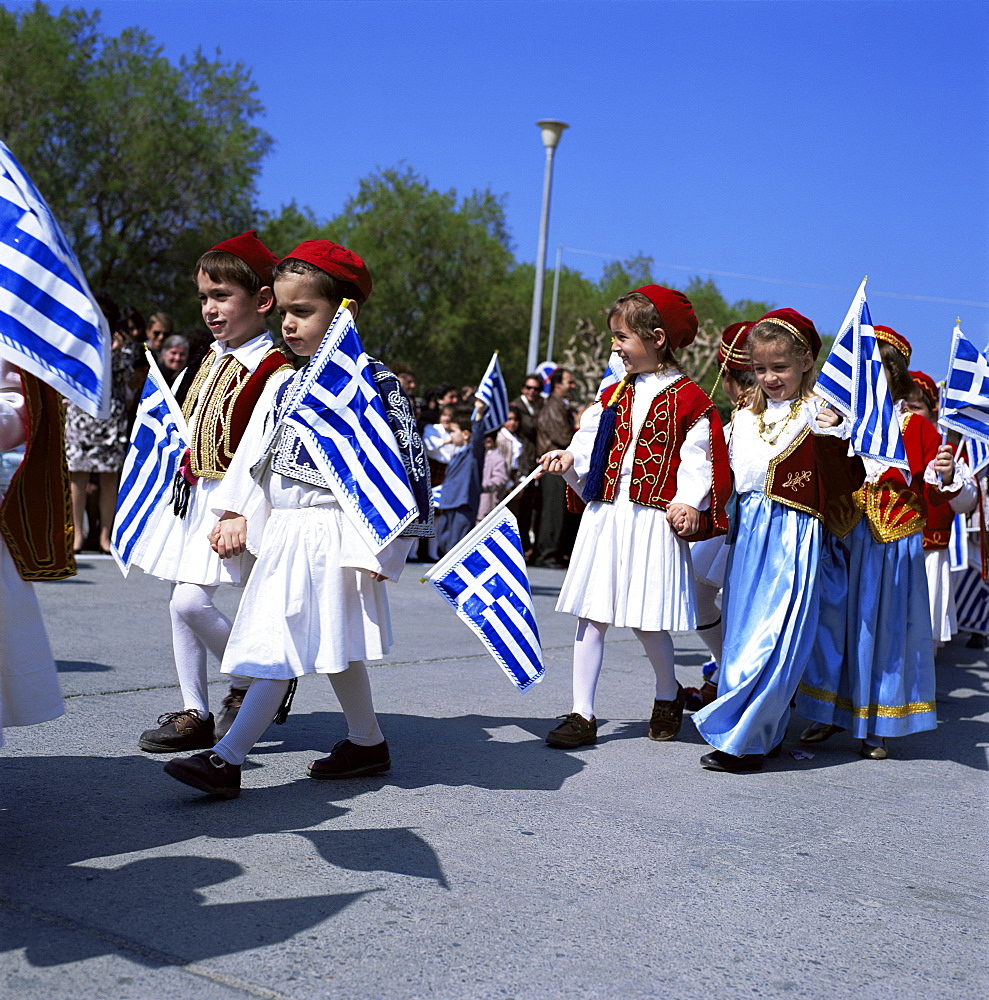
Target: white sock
pixel 197 627
pixel 262 701
pixel 588 655
pixel 707 612
pixel 353 690
pixel 659 649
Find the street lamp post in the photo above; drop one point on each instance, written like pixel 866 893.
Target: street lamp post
pixel 551 132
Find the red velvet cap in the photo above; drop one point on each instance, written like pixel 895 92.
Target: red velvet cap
pixel 676 312
pixel 800 326
pixel 889 336
pixel 733 353
pixel 337 261
pixel 928 387
pixel 252 252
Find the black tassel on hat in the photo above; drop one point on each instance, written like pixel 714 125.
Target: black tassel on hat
pixel 603 439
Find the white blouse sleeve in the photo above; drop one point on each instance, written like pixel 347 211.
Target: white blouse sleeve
pixel 13 413
pixel 694 474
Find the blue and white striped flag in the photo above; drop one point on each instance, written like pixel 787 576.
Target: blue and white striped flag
pixel 339 415
pixel 965 398
pixel 50 324
pixel 158 441
pixel 978 454
pixel 853 380
pixel 484 580
pixel 971 601
pixel 494 392
pixel 958 544
pixel 613 374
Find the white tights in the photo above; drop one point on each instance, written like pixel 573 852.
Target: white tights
pixel 588 654
pixel 352 688
pixel 198 627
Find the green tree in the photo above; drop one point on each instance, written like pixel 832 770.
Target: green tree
pixel 143 163
pixel 440 268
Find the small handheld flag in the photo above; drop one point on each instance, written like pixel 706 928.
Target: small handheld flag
pixel 337 411
pixel 50 324
pixel 965 397
pixel 484 580
pixel 853 381
pixel 158 441
pixel 613 374
pixel 494 393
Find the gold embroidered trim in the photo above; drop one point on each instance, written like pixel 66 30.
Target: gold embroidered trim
pixel 867 711
pixel 789 326
pixel 841 516
pixel 893 512
pixel 771 477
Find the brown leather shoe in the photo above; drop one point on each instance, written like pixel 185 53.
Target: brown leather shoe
pixel 819 733
pixel 667 717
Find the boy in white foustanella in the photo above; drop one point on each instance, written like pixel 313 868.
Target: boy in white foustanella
pixel 240 372
pixel 316 601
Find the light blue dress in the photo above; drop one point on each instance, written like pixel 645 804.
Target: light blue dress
pixel 873 667
pixel 771 603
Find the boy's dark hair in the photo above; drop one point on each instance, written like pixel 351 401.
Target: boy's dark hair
pixel 461 416
pixel 556 377
pixel 220 265
pixel 330 288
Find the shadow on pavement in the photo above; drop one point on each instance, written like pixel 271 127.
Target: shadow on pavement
pixel 81 666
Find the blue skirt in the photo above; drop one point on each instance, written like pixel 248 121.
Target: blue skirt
pixel 770 624
pixel 873 669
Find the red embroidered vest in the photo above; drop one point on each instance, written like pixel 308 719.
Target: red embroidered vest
pixel 221 416
pixel 656 459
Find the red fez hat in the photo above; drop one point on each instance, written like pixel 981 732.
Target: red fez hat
pixel 252 252
pixel 927 386
pixel 336 261
pixel 733 353
pixel 675 311
pixel 800 326
pixel 889 336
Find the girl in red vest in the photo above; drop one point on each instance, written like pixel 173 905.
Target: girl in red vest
pixel 872 671
pixel 788 455
pixel 650 462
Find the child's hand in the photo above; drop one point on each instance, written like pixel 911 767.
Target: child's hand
pixel 944 464
pixel 556 462
pixel 828 418
pixel 379 577
pixel 683 519
pixel 229 537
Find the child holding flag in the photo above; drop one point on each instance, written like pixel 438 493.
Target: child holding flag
pixel 788 462
pixel 650 461
pixel 241 370
pixel 872 671
pixel 315 602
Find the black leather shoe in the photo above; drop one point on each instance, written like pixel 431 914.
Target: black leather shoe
pixel 573 731
pixel 718 760
pixel 348 760
pixel 208 772
pixel 178 731
pixel 667 717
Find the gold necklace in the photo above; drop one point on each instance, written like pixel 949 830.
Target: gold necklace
pixel 781 425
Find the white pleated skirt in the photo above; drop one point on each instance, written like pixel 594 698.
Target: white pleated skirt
pixel 178 548
pixel 944 620
pixel 302 612
pixel 29 689
pixel 628 568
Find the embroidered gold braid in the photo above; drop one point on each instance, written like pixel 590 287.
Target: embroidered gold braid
pixel 867 711
pixel 663 411
pixel 893 511
pixel 804 476
pixel 210 429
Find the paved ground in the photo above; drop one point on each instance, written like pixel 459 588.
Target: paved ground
pixel 485 865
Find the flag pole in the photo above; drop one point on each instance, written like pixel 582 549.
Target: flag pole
pixel 467 541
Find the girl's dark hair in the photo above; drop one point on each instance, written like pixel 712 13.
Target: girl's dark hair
pixel 897 373
pixel 642 317
pixel 220 265
pixel 330 288
pixel 130 316
pixel 768 332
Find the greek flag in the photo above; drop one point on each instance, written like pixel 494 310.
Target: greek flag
pixel 978 454
pixel 965 398
pixel 958 544
pixel 484 580
pixel 971 601
pixel 493 391
pixel 339 415
pixel 613 374
pixel 158 441
pixel 853 380
pixel 50 324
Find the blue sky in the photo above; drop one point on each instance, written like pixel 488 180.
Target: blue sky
pixel 807 142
